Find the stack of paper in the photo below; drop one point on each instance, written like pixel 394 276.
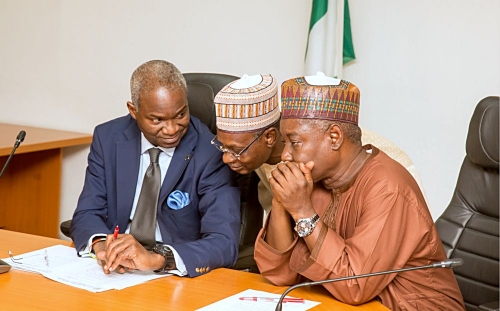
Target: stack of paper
pixel 60 263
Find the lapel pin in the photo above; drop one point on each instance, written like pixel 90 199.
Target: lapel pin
pixel 187 157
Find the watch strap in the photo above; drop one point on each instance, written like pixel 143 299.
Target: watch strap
pixel 167 253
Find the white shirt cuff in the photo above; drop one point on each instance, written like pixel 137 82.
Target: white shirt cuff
pixel 179 263
pixel 86 251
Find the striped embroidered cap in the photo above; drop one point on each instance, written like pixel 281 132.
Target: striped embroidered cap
pixel 249 104
pixel 320 97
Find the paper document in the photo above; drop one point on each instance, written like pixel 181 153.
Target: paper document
pixel 60 263
pixel 251 300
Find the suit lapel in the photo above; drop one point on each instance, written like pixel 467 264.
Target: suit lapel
pixel 180 160
pixel 127 168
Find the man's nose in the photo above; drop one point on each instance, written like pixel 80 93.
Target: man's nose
pixel 169 128
pixel 286 155
pixel 228 158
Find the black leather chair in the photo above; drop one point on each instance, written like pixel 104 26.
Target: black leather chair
pixel 469 226
pixel 202 88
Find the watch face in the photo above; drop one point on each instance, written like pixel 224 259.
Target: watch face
pixel 303 226
pixel 158 249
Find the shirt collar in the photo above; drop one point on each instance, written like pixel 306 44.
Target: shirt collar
pixel 146 145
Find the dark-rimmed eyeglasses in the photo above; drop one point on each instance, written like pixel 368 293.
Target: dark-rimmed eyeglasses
pixel 223 149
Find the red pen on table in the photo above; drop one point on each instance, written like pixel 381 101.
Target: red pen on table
pixel 270 299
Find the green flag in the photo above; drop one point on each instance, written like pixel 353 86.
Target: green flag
pixel 329 43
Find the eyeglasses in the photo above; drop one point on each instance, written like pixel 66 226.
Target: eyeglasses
pixel 223 149
pixel 18 259
pixel 14 259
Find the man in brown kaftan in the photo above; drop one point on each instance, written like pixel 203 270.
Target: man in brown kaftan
pixel 354 209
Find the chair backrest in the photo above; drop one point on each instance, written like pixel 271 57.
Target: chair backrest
pixel 469 226
pixel 252 212
pixel 202 88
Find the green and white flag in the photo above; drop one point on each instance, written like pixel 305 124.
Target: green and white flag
pixel 329 44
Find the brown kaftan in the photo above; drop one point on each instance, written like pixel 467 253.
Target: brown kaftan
pixel 381 223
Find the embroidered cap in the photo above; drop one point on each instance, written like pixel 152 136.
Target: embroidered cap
pixel 320 97
pixel 249 104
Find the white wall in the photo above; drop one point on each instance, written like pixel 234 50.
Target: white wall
pixel 421 66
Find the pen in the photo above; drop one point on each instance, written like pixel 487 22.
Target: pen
pixel 115 234
pixel 270 299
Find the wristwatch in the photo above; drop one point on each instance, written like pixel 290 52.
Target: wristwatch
pixel 305 226
pixel 166 252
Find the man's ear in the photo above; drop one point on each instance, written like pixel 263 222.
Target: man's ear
pixel 132 110
pixel 336 136
pixel 271 135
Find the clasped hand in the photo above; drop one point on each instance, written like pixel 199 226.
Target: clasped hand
pixel 125 253
pixel 292 185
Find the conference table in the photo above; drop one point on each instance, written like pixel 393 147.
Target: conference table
pixel 20 290
pixel 31 184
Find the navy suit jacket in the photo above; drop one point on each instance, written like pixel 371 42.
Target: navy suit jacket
pixel 205 233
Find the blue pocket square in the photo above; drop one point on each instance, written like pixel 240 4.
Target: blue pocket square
pixel 178 199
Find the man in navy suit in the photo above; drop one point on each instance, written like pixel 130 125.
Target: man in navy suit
pixel 198 214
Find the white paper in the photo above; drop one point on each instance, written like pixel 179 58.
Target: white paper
pixel 43 260
pixel 60 263
pixel 234 303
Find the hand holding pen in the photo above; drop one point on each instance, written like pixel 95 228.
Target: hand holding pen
pixel 110 238
pixel 99 247
pixel 124 252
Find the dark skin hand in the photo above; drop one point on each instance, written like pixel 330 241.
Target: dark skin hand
pixel 292 186
pixel 125 253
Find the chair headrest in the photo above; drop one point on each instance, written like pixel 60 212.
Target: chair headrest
pixel 201 102
pixel 482 139
pixel 202 87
